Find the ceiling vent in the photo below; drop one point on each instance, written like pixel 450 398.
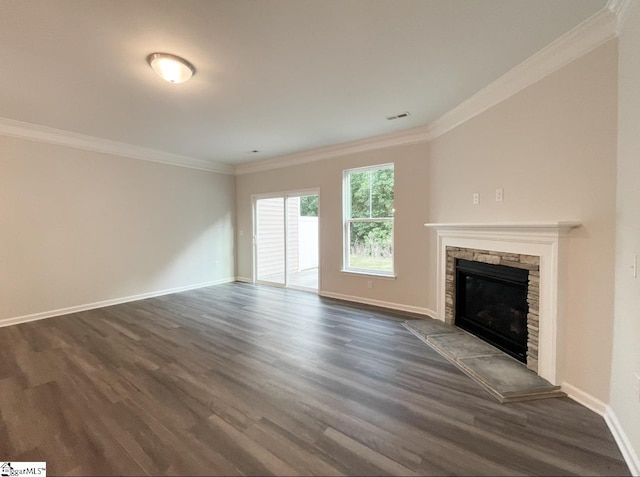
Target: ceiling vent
pixel 398 116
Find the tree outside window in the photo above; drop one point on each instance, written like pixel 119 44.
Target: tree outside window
pixel 309 206
pixel 369 219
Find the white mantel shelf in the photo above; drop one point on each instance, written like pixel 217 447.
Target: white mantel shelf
pixel 563 225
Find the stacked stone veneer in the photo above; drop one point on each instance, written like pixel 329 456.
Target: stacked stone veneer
pixel 526 262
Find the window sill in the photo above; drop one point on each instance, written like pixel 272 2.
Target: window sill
pixel 370 274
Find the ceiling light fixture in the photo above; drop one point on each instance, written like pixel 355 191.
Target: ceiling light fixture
pixel 171 68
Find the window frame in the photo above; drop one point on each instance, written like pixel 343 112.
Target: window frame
pixel 347 220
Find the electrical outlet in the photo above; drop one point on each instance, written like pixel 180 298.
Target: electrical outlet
pixel 369 283
pixel 476 198
pixel 499 195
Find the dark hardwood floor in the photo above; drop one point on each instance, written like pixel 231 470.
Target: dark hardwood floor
pixel 241 379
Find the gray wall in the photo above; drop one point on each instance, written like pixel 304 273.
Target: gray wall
pixel 81 227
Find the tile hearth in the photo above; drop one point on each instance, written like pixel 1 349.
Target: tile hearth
pixel 503 377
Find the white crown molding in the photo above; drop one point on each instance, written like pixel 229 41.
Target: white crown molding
pixel 621 10
pixel 591 33
pixel 34 132
pixel 604 25
pixel 399 138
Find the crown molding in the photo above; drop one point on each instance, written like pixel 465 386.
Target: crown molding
pixel 620 9
pixel 399 138
pixel 594 31
pixel 34 132
pixel 588 35
pixel 601 27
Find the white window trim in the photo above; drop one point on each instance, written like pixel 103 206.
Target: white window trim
pixel 346 209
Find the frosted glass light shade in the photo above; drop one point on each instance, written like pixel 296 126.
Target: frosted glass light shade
pixel 171 68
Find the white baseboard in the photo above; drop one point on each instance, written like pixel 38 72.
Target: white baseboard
pixel 586 399
pixel 101 304
pixel 627 450
pixel 599 407
pixel 367 301
pixel 382 304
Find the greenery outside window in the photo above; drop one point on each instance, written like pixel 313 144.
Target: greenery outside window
pixel 368 219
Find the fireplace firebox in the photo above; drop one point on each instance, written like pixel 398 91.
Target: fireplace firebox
pixel 491 302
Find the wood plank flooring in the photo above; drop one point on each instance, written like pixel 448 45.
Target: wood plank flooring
pixel 241 379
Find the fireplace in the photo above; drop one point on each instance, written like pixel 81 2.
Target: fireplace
pixel 491 302
pixel 539 248
pixel 483 270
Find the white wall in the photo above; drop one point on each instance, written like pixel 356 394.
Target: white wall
pixel 552 147
pixel 79 227
pixel 411 259
pixel 625 396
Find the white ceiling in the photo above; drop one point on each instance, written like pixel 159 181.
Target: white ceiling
pixel 280 76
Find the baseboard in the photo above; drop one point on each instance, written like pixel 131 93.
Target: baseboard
pixel 627 450
pixel 382 304
pixel 243 280
pixel 101 304
pixel 586 399
pixel 597 406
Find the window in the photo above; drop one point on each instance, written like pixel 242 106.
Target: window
pixel 368 219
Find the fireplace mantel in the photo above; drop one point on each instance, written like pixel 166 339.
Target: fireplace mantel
pixel 563 226
pixel 546 240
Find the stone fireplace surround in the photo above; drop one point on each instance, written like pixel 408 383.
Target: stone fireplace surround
pixel 514 260
pixel 547 241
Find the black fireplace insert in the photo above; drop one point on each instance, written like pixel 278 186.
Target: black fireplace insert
pixel 491 303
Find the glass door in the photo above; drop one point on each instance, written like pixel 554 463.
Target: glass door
pixel 302 243
pixel 270 240
pixel 286 241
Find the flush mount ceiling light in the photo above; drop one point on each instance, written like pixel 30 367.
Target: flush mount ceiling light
pixel 171 68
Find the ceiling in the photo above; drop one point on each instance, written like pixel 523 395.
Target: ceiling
pixel 278 76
